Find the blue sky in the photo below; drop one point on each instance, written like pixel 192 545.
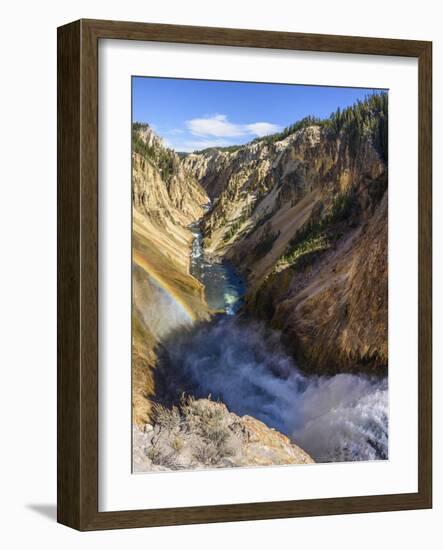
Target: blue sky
pixel 195 114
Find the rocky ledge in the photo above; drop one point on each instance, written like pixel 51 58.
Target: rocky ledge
pixel 199 434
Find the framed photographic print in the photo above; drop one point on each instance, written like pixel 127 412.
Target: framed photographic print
pixel 244 275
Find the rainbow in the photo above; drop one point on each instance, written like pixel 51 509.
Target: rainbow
pixel 167 287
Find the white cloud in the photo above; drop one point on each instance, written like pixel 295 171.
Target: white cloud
pixel 263 128
pixel 219 126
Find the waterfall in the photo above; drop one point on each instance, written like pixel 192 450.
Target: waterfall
pixel 243 364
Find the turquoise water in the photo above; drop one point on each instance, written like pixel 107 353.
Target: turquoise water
pixel 224 288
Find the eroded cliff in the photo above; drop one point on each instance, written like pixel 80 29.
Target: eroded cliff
pixel 166 200
pixel 303 215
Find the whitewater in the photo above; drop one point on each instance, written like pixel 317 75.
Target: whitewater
pixel 243 363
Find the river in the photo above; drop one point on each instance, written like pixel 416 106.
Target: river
pixel 224 288
pixel 243 363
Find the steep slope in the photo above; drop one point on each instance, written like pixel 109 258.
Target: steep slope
pixel 166 200
pixel 303 215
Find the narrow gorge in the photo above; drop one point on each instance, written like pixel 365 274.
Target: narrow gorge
pixel 260 303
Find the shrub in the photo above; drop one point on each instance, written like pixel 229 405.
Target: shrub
pixel 170 419
pixel 206 453
pixel 161 457
pixel 198 430
pixel 177 443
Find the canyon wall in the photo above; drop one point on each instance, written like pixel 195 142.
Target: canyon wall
pixel 303 215
pixel 166 199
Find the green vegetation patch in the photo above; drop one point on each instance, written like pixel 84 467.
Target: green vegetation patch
pixel 226 149
pixel 365 119
pixel 316 236
pixel 302 252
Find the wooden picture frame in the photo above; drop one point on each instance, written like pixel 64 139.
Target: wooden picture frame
pixel 78 274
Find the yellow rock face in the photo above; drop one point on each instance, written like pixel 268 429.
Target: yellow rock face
pixel 165 295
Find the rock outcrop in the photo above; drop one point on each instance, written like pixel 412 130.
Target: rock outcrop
pixel 202 434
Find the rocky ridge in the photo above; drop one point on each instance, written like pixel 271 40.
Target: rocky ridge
pixel 200 434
